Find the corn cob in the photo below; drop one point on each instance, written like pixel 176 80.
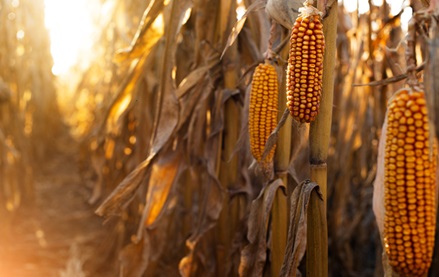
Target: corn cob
pixel 305 65
pixel 263 110
pixel 409 185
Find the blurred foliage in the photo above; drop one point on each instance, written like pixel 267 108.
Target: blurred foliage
pixel 29 117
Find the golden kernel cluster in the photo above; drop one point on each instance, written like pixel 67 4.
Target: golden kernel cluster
pixel 410 185
pixel 305 68
pixel 263 109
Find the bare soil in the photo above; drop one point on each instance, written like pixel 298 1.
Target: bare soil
pixel 58 234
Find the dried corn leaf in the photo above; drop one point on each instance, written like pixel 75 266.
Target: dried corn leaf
pixel 164 173
pixel 257 5
pixel 166 117
pixel 212 195
pixel 284 11
pixel 195 108
pixel 221 96
pixel 378 199
pixel 125 191
pixel 254 254
pixel 146 37
pixel 378 186
pixel 211 192
pixel 194 78
pixel 143 38
pixel 296 242
pixel 124 94
pixel 198 127
pixel 134 258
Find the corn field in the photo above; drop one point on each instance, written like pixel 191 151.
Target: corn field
pixel 220 138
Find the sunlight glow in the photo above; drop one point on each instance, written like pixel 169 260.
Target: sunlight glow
pixel 240 10
pixel 71 29
pixel 363 6
pixel 395 7
pixel 405 17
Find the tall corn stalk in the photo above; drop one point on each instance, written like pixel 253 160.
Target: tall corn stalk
pixel 229 164
pixel 320 130
pixel 279 213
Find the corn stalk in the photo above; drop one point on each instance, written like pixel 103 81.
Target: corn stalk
pixel 317 243
pixel 279 213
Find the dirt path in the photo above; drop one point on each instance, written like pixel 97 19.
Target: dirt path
pixel 60 235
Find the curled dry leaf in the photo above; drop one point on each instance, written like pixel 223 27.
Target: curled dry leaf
pixel 134 258
pixel 123 96
pixel 194 78
pixel 284 12
pixel 390 80
pixel 378 186
pixel 259 4
pixel 166 118
pixel 192 93
pixel 378 197
pixel 211 194
pixel 254 254
pixel 164 173
pixel 296 241
pixel 125 191
pixel 145 36
pixel 211 202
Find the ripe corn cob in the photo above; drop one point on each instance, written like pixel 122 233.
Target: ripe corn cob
pixel 263 110
pixel 305 65
pixel 409 185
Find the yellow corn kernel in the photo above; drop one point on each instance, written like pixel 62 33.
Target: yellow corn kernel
pixel 410 185
pixel 263 110
pixel 305 65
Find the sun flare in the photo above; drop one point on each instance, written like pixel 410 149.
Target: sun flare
pixel 72 32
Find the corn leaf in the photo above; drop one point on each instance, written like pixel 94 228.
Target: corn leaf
pixel 297 235
pixel 257 5
pixel 164 174
pixel 284 12
pixel 134 258
pixel 254 254
pixel 143 38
